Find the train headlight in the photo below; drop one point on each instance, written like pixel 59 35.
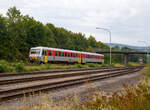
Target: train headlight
pixel 34 58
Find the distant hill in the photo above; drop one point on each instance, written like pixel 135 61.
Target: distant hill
pixel 143 48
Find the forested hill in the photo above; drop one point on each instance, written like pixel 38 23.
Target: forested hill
pixel 18 33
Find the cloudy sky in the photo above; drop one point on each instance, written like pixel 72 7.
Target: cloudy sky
pixel 128 20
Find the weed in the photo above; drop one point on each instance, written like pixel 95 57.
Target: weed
pixel 19 67
pixel 4 67
pixel 91 64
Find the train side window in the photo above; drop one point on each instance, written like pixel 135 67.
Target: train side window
pixel 69 55
pixel 50 53
pixel 74 55
pixel 62 53
pixel 55 53
pixel 66 54
pixel 59 53
pixel 44 52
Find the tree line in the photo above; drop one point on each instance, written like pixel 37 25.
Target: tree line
pixel 18 33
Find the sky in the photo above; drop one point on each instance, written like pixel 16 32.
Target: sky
pixel 128 20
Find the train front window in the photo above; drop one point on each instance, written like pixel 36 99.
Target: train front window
pixel 35 51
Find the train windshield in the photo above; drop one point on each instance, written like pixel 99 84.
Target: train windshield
pixel 35 51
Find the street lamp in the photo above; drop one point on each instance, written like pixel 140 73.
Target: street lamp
pixel 105 29
pixel 147 48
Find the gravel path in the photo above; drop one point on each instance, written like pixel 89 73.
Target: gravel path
pixel 108 85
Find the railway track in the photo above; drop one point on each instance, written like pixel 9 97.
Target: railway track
pixel 48 71
pixel 35 77
pixel 63 79
pixel 51 71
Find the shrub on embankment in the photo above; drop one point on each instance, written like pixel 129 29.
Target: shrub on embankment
pixel 11 67
pixel 23 67
pixel 4 67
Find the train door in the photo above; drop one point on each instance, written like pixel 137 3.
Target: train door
pixel 46 55
pixel 83 58
pixel 79 58
pixel 53 55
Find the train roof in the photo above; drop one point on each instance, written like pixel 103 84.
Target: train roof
pixel 57 49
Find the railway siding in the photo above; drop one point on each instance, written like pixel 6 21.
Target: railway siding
pixel 19 91
pixel 27 78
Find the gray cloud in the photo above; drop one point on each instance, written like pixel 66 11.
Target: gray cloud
pixel 127 19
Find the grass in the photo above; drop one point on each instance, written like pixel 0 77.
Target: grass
pixel 26 67
pixel 15 67
pixel 119 65
pixel 134 64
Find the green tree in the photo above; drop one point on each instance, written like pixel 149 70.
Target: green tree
pixel 50 37
pixel 92 42
pixel 5 40
pixel 15 31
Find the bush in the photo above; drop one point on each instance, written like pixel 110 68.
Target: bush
pixel 119 65
pixel 4 66
pixel 19 67
pixel 134 64
pixel 79 65
pixel 91 65
pixel 48 66
pixel 104 65
pixel 146 71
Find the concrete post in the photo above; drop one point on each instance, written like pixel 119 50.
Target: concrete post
pixel 126 60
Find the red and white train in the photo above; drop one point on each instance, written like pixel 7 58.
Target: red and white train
pixel 48 54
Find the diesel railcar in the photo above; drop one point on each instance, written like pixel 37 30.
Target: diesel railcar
pixel 48 54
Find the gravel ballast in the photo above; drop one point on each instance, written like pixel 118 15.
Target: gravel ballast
pixel 108 85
